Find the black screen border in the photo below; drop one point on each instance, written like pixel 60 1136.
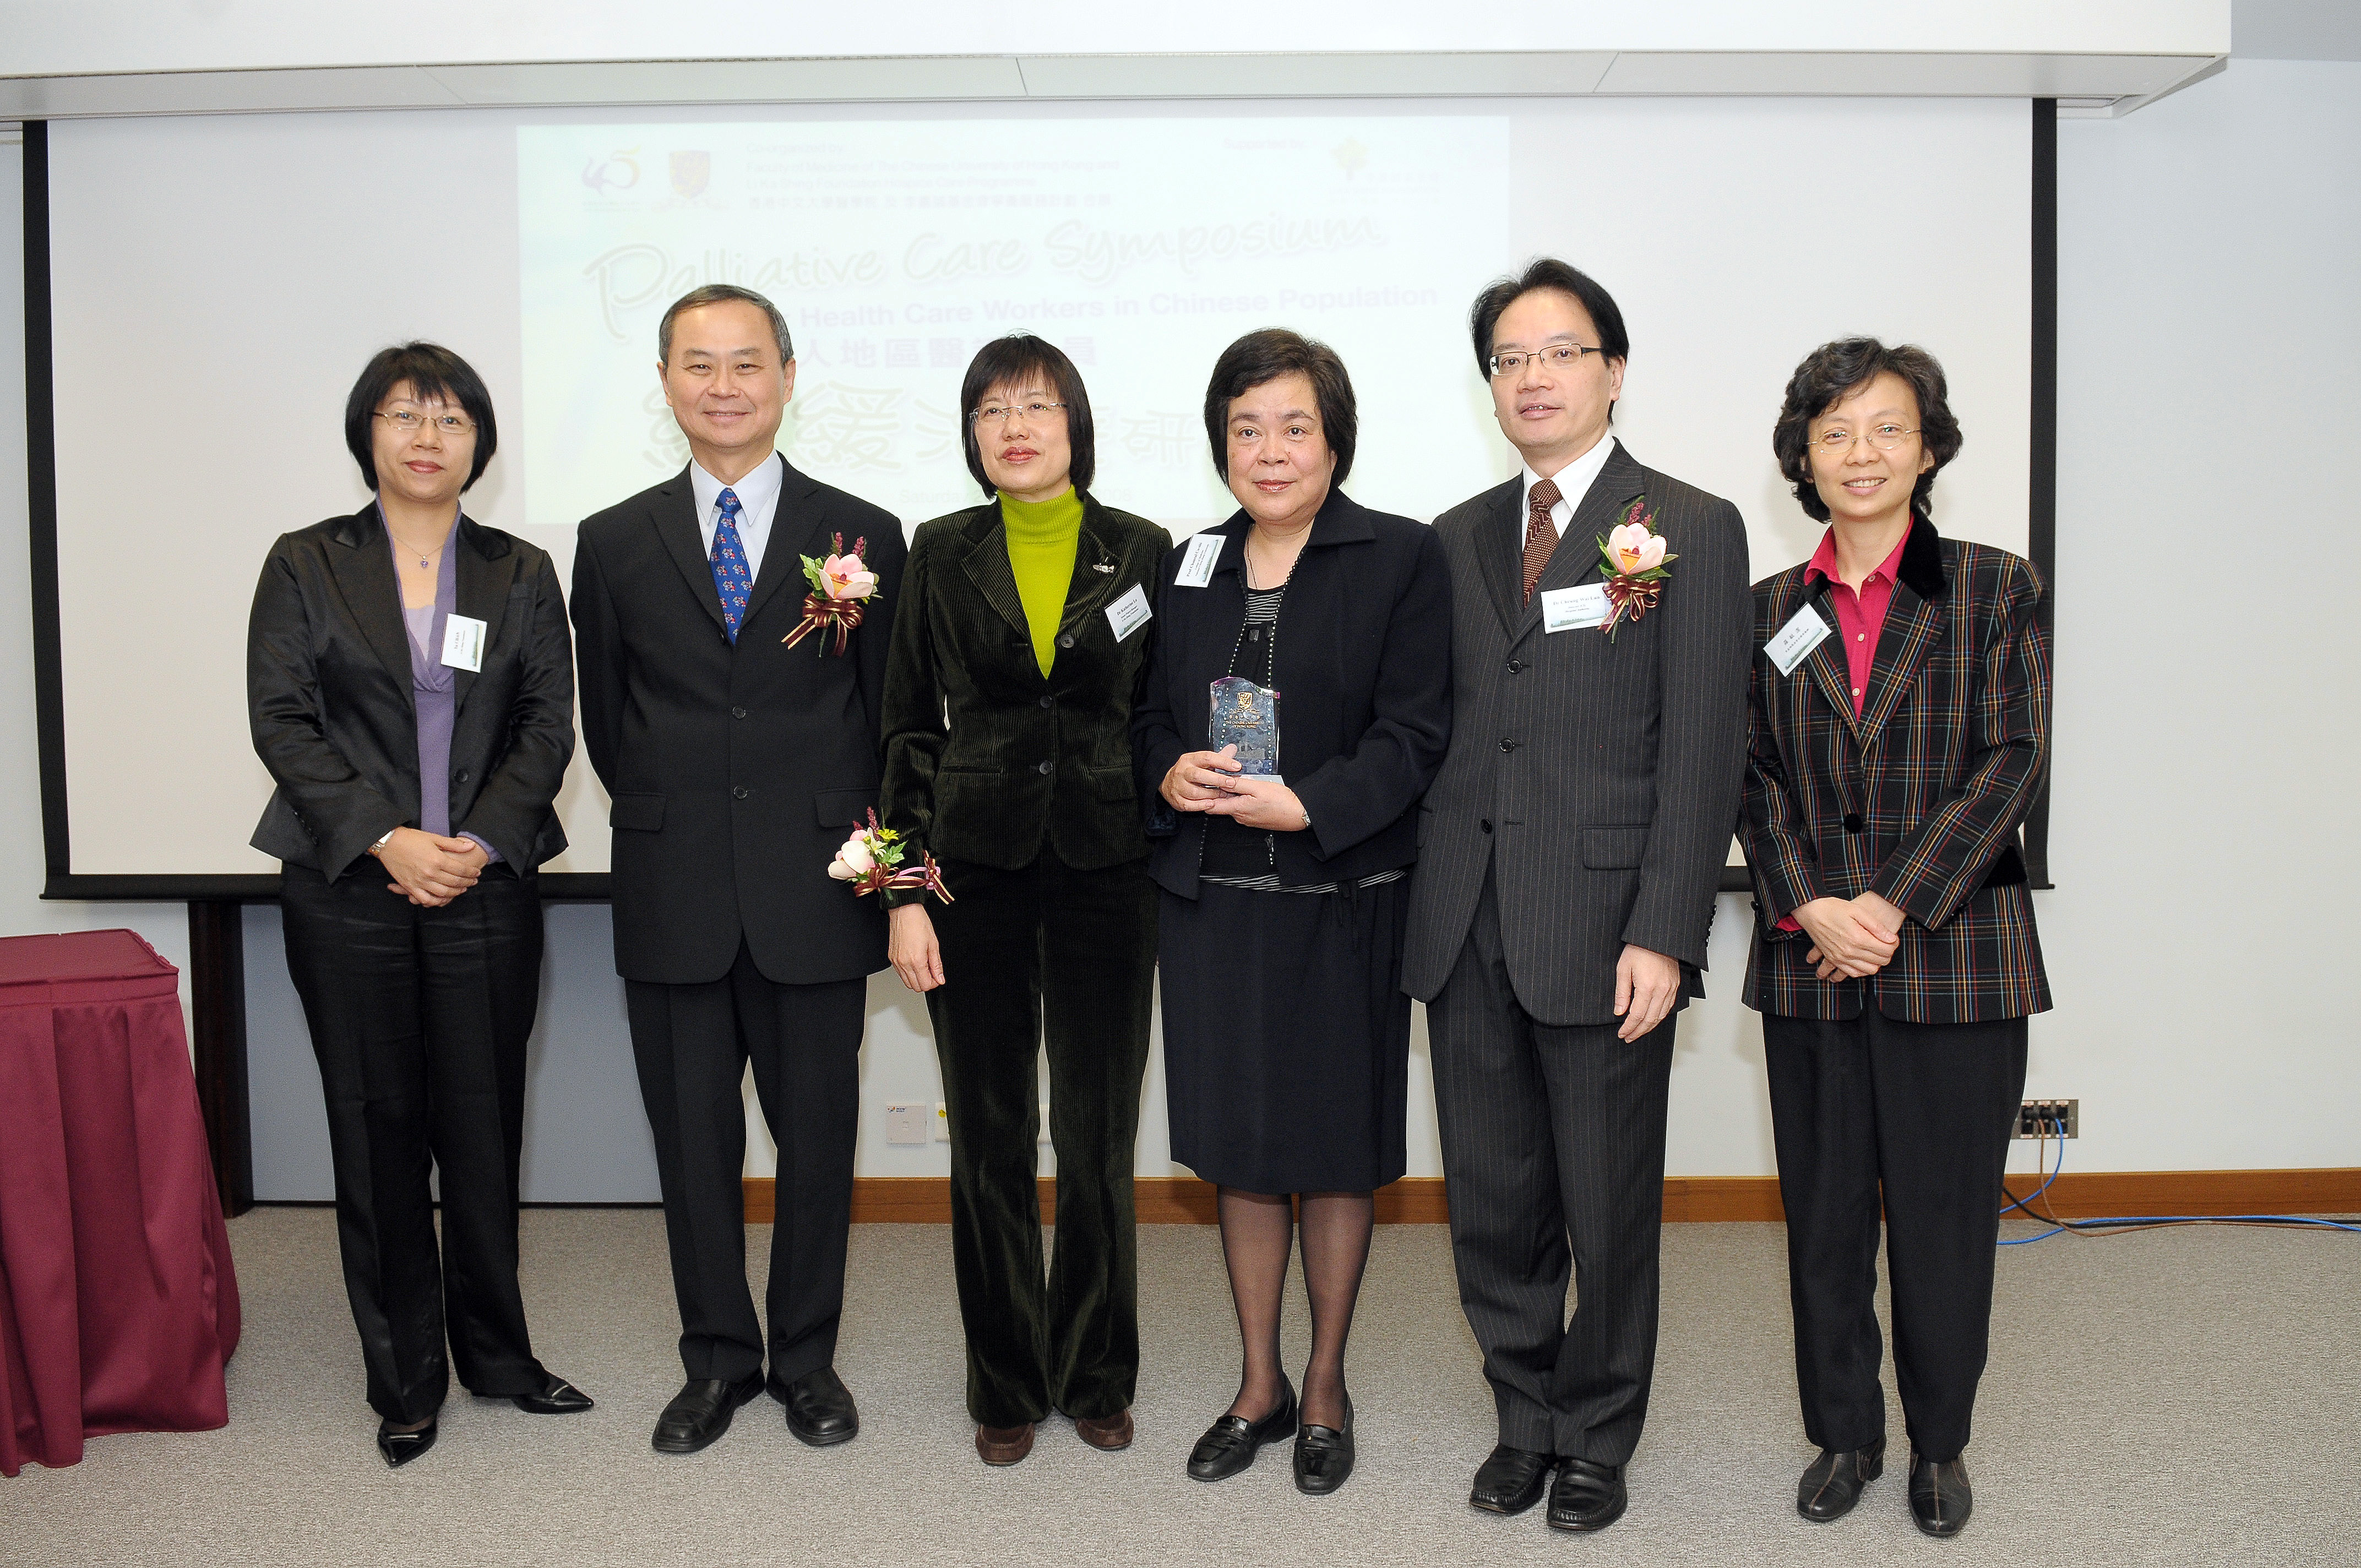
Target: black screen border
pixel 61 882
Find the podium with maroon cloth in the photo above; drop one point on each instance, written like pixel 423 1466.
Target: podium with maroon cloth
pixel 118 1302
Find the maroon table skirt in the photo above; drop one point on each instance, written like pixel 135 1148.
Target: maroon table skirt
pixel 118 1302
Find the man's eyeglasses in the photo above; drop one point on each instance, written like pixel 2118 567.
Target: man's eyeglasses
pixel 1551 357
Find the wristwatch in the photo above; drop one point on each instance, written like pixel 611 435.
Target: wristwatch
pixel 389 832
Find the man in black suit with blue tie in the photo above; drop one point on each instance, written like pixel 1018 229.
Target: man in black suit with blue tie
pixel 1568 859
pixel 737 765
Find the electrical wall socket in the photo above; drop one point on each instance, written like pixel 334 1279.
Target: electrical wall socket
pixel 907 1126
pixel 942 1122
pixel 2049 1118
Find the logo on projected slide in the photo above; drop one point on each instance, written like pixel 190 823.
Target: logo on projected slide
pixel 690 173
pixel 619 171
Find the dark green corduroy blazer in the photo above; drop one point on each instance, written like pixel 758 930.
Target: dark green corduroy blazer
pixel 985 757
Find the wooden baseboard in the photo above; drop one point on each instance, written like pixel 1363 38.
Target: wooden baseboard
pixel 1418 1200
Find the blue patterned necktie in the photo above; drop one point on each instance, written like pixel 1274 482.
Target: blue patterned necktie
pixel 730 578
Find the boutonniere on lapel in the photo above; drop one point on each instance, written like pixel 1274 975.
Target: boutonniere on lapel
pixel 872 860
pixel 839 587
pixel 1635 557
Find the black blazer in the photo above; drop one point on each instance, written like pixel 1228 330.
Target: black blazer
pixel 329 693
pixel 735 770
pixel 984 755
pixel 1364 681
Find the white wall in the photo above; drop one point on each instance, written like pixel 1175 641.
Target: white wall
pixel 2209 643
pixel 2203 836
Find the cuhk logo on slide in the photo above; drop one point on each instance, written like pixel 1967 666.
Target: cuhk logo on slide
pixel 690 173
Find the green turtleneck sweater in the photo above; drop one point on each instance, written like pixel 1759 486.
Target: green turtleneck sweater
pixel 1041 541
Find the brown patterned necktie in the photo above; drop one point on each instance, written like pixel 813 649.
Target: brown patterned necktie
pixel 1541 533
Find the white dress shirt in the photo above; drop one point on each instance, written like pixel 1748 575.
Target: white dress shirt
pixel 1574 482
pixel 758 502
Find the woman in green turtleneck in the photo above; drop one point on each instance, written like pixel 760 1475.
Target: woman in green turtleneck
pixel 1019 644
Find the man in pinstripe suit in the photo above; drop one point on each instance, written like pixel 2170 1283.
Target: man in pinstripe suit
pixel 1570 853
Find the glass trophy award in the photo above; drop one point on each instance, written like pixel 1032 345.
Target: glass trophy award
pixel 1246 715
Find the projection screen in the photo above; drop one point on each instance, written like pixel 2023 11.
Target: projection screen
pixel 218 283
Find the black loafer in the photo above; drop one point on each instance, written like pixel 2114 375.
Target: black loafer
pixel 1941 1499
pixel 1512 1481
pixel 556 1398
pixel 1323 1455
pixel 700 1412
pixel 401 1447
pixel 1833 1483
pixel 1586 1496
pixel 1229 1444
pixel 819 1408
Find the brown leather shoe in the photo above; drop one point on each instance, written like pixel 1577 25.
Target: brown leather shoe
pixel 1004 1446
pixel 1110 1432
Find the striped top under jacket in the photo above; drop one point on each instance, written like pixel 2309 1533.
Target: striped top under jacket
pixel 1919 799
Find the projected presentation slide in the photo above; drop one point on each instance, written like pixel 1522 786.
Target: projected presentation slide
pixel 1141 247
pixel 255 263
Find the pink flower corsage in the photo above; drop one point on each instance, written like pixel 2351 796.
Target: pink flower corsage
pixel 1635 557
pixel 840 586
pixel 872 860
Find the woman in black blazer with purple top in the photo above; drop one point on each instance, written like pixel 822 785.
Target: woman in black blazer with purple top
pixel 1286 1032
pixel 416 766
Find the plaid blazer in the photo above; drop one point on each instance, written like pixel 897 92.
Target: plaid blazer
pixel 1919 799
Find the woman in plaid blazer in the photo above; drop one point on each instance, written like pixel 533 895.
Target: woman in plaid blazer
pixel 1899 727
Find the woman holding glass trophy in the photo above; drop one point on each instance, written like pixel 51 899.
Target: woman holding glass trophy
pixel 1298 705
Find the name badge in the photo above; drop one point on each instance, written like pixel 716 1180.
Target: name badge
pixel 462 642
pixel 1805 631
pixel 1571 609
pixel 1197 565
pixel 1129 613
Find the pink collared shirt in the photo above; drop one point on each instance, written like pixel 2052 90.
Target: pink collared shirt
pixel 1860 617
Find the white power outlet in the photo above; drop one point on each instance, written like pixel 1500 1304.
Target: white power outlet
pixel 942 1122
pixel 906 1125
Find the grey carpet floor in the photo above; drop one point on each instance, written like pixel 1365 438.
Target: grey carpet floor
pixel 2189 1397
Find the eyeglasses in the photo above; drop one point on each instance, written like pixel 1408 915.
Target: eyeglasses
pixel 1886 438
pixel 994 413
pixel 410 421
pixel 1552 356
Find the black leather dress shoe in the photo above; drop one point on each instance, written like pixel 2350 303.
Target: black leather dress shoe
pixel 1512 1481
pixel 1586 1496
pixel 556 1398
pixel 700 1412
pixel 401 1447
pixel 1832 1484
pixel 1939 1498
pixel 819 1408
pixel 1323 1455
pixel 1229 1444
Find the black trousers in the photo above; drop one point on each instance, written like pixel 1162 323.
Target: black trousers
pixel 1921 1112
pixel 419 1018
pixel 1553 1159
pixel 1046 953
pixel 693 1044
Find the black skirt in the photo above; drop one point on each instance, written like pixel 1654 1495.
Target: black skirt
pixel 1287 1037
